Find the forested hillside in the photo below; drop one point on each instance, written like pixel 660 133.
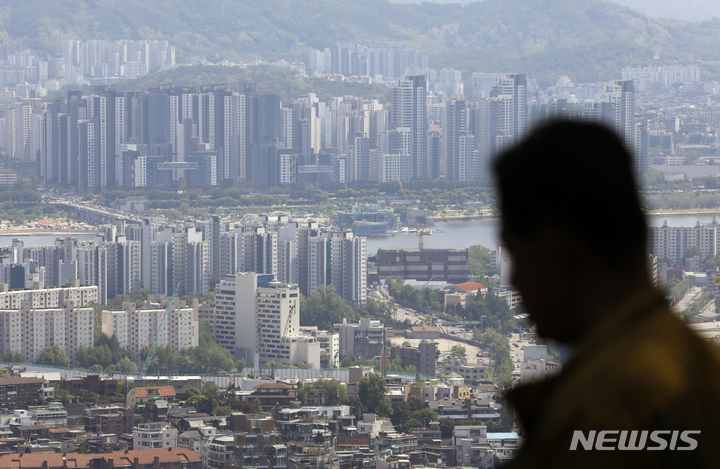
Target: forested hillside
pixel 281 80
pixel 587 39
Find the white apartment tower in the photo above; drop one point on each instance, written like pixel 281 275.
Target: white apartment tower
pixel 29 330
pixel 409 110
pixel 136 328
pixel 349 267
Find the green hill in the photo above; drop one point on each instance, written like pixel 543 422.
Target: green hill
pixel 280 80
pixel 586 39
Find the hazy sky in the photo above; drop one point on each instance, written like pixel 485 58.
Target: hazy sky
pixel 693 10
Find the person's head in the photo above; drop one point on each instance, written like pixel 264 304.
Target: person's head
pixel 569 203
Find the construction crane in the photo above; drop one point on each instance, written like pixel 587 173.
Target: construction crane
pixel 161 328
pixel 420 231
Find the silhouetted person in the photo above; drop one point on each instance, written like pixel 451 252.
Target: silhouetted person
pixel 572 220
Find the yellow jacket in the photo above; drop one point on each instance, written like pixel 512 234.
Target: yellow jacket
pixel 640 368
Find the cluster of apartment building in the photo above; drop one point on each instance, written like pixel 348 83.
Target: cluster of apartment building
pixel 33 319
pixel 127 257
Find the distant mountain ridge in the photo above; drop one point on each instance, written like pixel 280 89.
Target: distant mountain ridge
pixel 588 40
pixel 690 10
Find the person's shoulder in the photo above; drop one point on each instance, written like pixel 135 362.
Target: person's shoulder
pixel 641 371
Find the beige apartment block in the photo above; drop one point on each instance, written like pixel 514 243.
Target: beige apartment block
pixel 29 330
pixel 47 297
pixel 136 328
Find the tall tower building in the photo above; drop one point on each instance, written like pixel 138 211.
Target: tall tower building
pixel 454 124
pixel 349 267
pixel 409 110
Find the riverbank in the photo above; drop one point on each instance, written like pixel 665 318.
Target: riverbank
pixel 43 232
pixel 463 218
pixel 689 211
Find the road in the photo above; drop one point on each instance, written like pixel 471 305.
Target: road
pixel 687 300
pixel 104 211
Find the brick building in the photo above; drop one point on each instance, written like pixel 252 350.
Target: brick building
pixel 271 394
pixel 91 383
pixel 18 393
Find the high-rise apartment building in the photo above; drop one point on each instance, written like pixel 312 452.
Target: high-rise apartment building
pixel 349 267
pixel 272 308
pixel 409 111
pixel 136 328
pixel 29 329
pixel 44 298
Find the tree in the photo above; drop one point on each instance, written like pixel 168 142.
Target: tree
pixel 503 366
pixel 372 391
pixel 125 365
pixel 419 419
pixel 325 308
pixel 12 357
pixel 53 356
pixel 326 392
pixel 693 251
pixel 258 406
pixel 458 351
pixel 206 334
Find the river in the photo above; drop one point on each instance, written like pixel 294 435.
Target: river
pixel 462 234
pixel 450 234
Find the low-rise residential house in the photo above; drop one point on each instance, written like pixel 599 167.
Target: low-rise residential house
pixel 251 423
pixel 454 379
pixel 30 433
pixel 20 392
pixel 467 409
pixel 104 444
pixel 444 449
pixel 142 395
pixel 110 419
pixel 472 447
pixel 156 410
pixel 170 458
pixel 432 392
pixel 198 421
pixel 273 394
pixel 352 441
pixel 362 458
pixel 337 412
pixel 243 450
pixel 393 444
pixel 471 372
pixel 52 415
pixel 18 417
pixel 92 383
pixel 372 425
pixel 154 435
pixel 506 445
pixel 178 383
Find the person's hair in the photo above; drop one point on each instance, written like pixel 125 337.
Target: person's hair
pixel 577 177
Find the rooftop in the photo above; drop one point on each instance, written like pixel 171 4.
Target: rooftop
pixel 9 380
pixel 272 386
pixel 470 286
pixel 77 460
pixel 155 391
